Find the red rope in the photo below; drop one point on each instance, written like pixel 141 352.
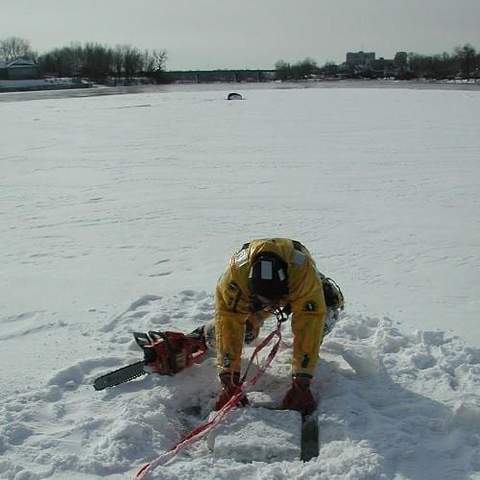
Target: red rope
pixel 198 432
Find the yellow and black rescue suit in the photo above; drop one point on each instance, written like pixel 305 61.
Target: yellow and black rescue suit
pixel 235 305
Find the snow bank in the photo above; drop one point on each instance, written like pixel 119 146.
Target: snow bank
pixel 392 405
pixel 41 84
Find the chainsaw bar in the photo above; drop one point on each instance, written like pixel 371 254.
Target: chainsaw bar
pixel 122 375
pixel 310 446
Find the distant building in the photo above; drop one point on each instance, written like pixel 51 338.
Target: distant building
pixel 382 67
pixel 364 64
pixel 20 69
pixel 360 59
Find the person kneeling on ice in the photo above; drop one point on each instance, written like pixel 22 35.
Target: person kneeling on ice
pixel 270 276
pixel 264 277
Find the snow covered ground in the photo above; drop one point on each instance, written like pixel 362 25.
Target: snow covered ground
pixel 118 214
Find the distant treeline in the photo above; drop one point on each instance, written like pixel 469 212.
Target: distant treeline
pixel 464 62
pixel 97 61
pixel 100 62
pixel 92 60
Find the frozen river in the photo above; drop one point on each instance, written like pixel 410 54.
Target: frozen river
pixel 118 214
pixel 108 198
pixel 101 90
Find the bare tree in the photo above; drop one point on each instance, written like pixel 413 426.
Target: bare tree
pixel 282 70
pixel 297 71
pixel 159 59
pixel 118 61
pixel 154 64
pixel 65 61
pixel 15 47
pixel 467 58
pixel 132 60
pixel 97 61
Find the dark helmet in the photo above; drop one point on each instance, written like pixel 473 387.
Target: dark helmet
pixel 268 276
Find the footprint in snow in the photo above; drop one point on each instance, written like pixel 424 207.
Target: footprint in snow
pixel 161 274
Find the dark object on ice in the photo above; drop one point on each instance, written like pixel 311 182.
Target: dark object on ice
pixel 234 96
pixel 309 447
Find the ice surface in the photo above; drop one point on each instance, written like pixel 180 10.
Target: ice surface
pixel 119 219
pixel 258 435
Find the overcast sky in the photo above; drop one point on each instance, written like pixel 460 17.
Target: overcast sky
pixel 204 34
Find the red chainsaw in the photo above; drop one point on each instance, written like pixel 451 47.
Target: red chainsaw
pixel 165 353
